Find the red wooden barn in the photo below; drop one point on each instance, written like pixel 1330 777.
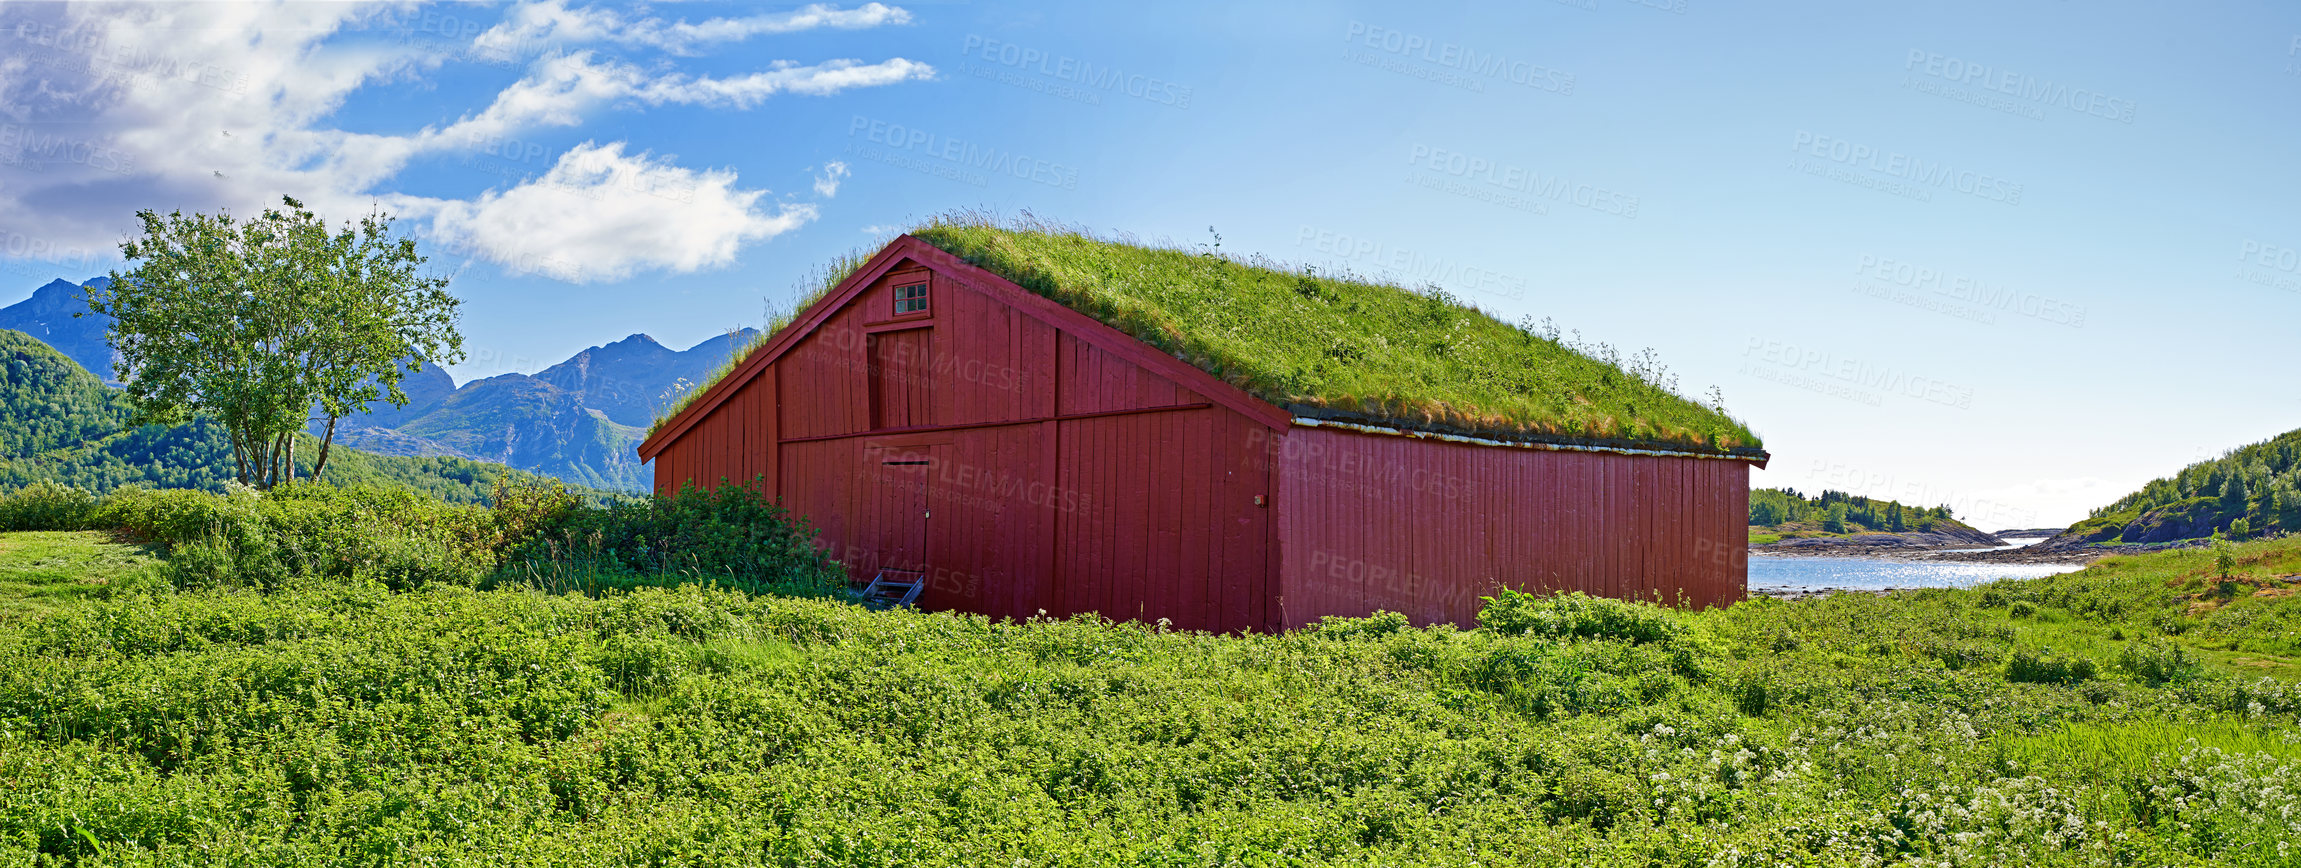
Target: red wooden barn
pixel 928 413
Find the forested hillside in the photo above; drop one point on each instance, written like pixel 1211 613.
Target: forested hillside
pixel 1839 512
pixel 2249 491
pixel 59 424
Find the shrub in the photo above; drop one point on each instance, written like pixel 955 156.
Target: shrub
pixel 2156 664
pixel 2022 609
pixel 1514 613
pixel 1753 692
pixel 2029 666
pixel 1375 625
pixel 735 536
pixel 47 506
pixel 246 538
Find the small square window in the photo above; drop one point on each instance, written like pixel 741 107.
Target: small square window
pixel 911 299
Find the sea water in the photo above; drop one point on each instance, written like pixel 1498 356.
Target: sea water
pixel 1804 573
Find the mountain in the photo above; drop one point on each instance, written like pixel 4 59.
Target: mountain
pixel 48 316
pixel 527 423
pixel 425 390
pixel 577 420
pixel 631 379
pixel 65 426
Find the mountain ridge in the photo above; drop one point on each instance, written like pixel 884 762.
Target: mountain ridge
pixel 577 420
pixel 66 427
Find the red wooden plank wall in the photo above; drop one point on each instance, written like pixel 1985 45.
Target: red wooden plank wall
pixel 1424 527
pixel 1159 520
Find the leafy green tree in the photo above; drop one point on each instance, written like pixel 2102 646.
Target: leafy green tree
pixel 1835 521
pixel 256 324
pixel 2233 494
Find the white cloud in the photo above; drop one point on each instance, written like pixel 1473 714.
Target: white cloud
pixel 106 109
pixel 600 215
pixel 827 184
pixel 561 91
pixel 534 27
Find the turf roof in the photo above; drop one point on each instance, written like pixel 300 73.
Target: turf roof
pixel 1342 347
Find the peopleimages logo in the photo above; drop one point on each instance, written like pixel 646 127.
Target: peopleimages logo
pixel 2270 265
pixel 1529 184
pixel 2026 88
pixel 962 153
pixel 1456 57
pixel 1792 358
pixel 1420 267
pixel 1087 75
pixel 1916 171
pixel 1970 290
pixel 27 147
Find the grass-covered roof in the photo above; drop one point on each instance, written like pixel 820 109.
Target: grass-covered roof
pixel 1332 346
pixel 1337 346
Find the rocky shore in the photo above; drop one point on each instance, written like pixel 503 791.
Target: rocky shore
pixel 1882 544
pixel 1794 594
pixel 2063 550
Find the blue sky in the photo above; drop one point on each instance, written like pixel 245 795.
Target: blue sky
pixel 2016 257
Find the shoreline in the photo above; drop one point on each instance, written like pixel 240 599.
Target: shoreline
pixel 1793 595
pixel 2027 553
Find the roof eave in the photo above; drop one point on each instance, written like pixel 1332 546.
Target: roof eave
pixel 1321 418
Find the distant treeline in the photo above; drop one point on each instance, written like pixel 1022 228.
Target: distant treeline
pixel 1839 512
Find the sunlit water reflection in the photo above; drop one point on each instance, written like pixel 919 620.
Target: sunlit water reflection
pixel 1799 573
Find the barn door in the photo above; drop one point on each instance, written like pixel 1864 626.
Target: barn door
pixel 902 505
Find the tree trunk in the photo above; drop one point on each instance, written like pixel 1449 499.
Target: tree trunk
pixel 327 439
pixel 240 454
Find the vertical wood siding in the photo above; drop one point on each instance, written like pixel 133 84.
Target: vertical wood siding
pixel 1426 527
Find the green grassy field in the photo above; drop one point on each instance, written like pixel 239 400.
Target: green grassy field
pixel 2135 713
pixel 42 569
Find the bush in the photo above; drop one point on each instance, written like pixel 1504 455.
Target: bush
pixel 1375 625
pixel 246 538
pixel 2030 667
pixel 736 537
pixel 47 506
pixel 2157 664
pixel 1575 614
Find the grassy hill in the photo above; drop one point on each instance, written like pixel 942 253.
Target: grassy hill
pixel 2252 490
pixel 2117 715
pixel 62 425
